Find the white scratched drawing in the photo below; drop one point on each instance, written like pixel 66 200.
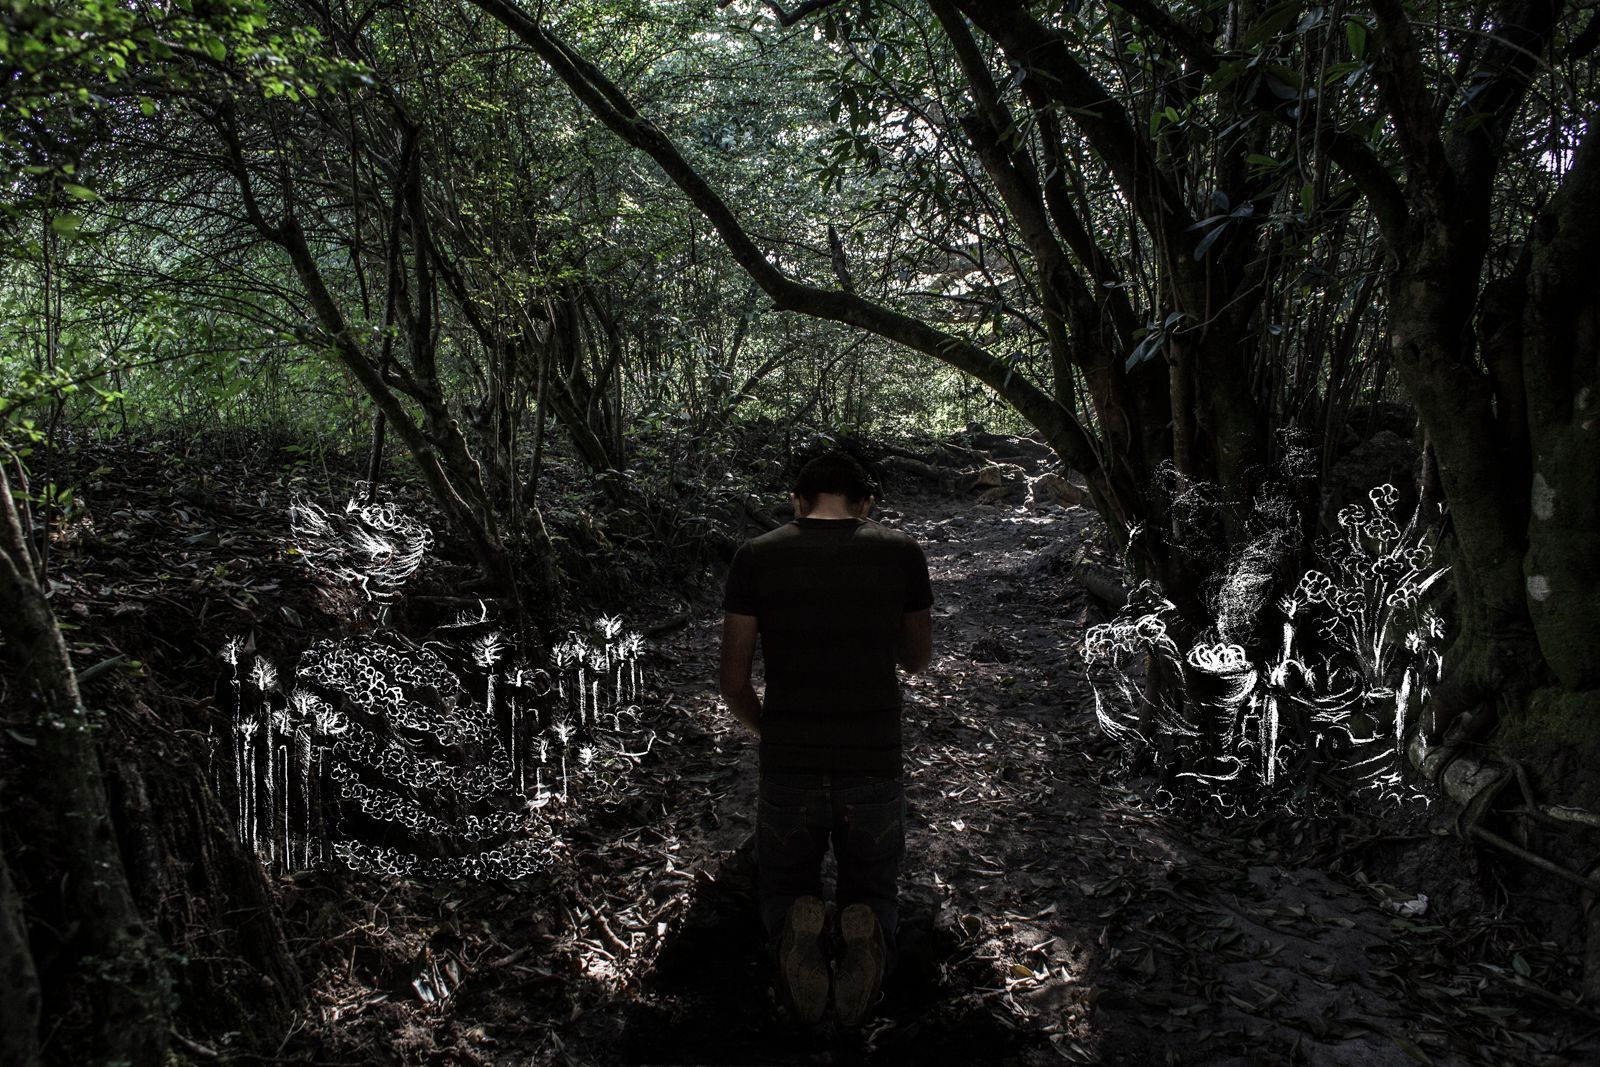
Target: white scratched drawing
pixel 416 761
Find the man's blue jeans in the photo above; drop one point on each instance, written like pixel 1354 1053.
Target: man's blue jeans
pixel 797 815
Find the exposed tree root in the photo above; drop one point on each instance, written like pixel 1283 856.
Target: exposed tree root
pixel 1475 783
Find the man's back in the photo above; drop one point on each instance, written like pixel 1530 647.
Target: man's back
pixel 837 603
pixel 830 597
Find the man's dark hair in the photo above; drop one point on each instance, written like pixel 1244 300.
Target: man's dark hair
pixel 835 472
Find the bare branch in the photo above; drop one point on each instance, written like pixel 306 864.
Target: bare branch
pixel 1190 44
pixel 612 107
pixel 1404 88
pixel 789 18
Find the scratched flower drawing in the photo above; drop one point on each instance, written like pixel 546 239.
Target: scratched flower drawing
pixel 1358 650
pixel 444 759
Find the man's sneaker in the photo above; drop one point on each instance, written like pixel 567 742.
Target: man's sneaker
pixel 860 972
pixel 802 966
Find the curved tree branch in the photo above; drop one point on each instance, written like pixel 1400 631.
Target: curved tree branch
pixel 612 107
pixel 1046 60
pixel 1404 88
pixel 1063 291
pixel 787 17
pixel 1193 47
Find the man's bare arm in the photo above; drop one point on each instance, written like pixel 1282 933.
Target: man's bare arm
pixel 738 653
pixel 916 641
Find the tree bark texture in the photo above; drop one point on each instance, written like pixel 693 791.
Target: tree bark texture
pixel 111 965
pixel 204 891
pixel 1561 342
pixel 19 980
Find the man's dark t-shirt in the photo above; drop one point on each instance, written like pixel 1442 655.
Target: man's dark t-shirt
pixel 830 596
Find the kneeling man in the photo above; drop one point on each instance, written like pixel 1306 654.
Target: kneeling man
pixel 837 602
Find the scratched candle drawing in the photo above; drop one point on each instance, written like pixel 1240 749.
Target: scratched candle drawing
pixel 443 759
pixel 1357 654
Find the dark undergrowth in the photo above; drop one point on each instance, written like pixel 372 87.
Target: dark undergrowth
pixel 1049 910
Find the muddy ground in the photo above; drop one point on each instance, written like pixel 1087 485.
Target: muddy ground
pixel 1050 912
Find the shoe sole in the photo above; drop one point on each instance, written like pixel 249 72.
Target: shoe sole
pixel 855 984
pixel 805 969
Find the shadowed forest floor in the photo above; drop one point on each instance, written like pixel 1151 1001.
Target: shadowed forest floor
pixel 1049 912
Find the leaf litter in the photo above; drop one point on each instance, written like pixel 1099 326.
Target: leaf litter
pixel 1049 912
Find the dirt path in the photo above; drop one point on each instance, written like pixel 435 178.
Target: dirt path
pixel 1048 916
pixel 1049 912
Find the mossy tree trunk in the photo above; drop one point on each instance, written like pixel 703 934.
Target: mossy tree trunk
pixel 1561 345
pixel 1506 378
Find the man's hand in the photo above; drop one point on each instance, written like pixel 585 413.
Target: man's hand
pixel 916 641
pixel 738 653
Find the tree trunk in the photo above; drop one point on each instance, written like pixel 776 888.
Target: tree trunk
pixel 1561 341
pixel 1556 728
pixel 119 976
pixel 19 993
pixel 204 891
pixel 1495 650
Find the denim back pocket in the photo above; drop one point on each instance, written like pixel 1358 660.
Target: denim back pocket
pixel 876 828
pixel 781 825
